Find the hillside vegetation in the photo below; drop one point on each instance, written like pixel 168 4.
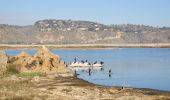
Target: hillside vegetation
pixel 81 32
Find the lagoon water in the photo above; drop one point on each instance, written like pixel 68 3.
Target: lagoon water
pixel 132 67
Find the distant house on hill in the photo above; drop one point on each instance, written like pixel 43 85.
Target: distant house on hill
pixel 97 29
pixel 83 29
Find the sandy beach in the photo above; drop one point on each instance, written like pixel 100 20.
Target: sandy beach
pixel 84 46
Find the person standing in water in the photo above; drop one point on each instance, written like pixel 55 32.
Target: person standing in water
pixel 75 73
pixel 75 60
pixel 110 72
pixel 89 72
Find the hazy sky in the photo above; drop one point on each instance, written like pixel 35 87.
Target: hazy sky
pixel 26 12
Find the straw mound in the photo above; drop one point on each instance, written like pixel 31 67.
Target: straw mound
pixel 3 62
pixel 23 55
pixel 42 61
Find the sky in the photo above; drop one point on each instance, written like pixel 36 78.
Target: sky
pixel 27 12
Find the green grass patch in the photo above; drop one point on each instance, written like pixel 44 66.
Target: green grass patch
pixel 14 69
pixel 29 74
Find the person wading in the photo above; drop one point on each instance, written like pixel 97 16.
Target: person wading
pixel 89 72
pixel 110 73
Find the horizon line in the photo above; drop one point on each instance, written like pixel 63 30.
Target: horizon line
pixel 84 20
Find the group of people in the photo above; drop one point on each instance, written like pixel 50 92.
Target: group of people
pixel 89 71
pixel 88 63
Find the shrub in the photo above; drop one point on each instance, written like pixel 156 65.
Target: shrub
pixel 12 69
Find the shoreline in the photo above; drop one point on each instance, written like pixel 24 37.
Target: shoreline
pixel 84 46
pixel 64 88
pixel 58 86
pixel 144 89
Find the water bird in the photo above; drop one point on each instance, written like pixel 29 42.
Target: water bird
pixel 82 61
pixel 75 60
pixel 85 64
pixel 102 69
pixel 95 64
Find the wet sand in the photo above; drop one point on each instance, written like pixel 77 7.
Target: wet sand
pixel 70 88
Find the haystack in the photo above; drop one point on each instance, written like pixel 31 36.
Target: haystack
pixel 23 54
pixel 3 62
pixel 42 61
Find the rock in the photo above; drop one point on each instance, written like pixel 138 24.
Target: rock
pixel 35 79
pixel 52 76
pixel 56 75
pixel 43 89
pixel 3 62
pixel 67 75
pixel 14 78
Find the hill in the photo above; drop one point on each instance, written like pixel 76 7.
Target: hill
pixel 81 32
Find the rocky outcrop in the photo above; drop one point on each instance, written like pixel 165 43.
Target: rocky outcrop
pixel 3 62
pixel 42 61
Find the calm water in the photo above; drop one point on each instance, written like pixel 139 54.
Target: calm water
pixel 133 67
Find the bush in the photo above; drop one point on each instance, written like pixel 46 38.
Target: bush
pixel 12 69
pixel 15 69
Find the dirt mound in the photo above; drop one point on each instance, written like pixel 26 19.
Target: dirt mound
pixel 42 61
